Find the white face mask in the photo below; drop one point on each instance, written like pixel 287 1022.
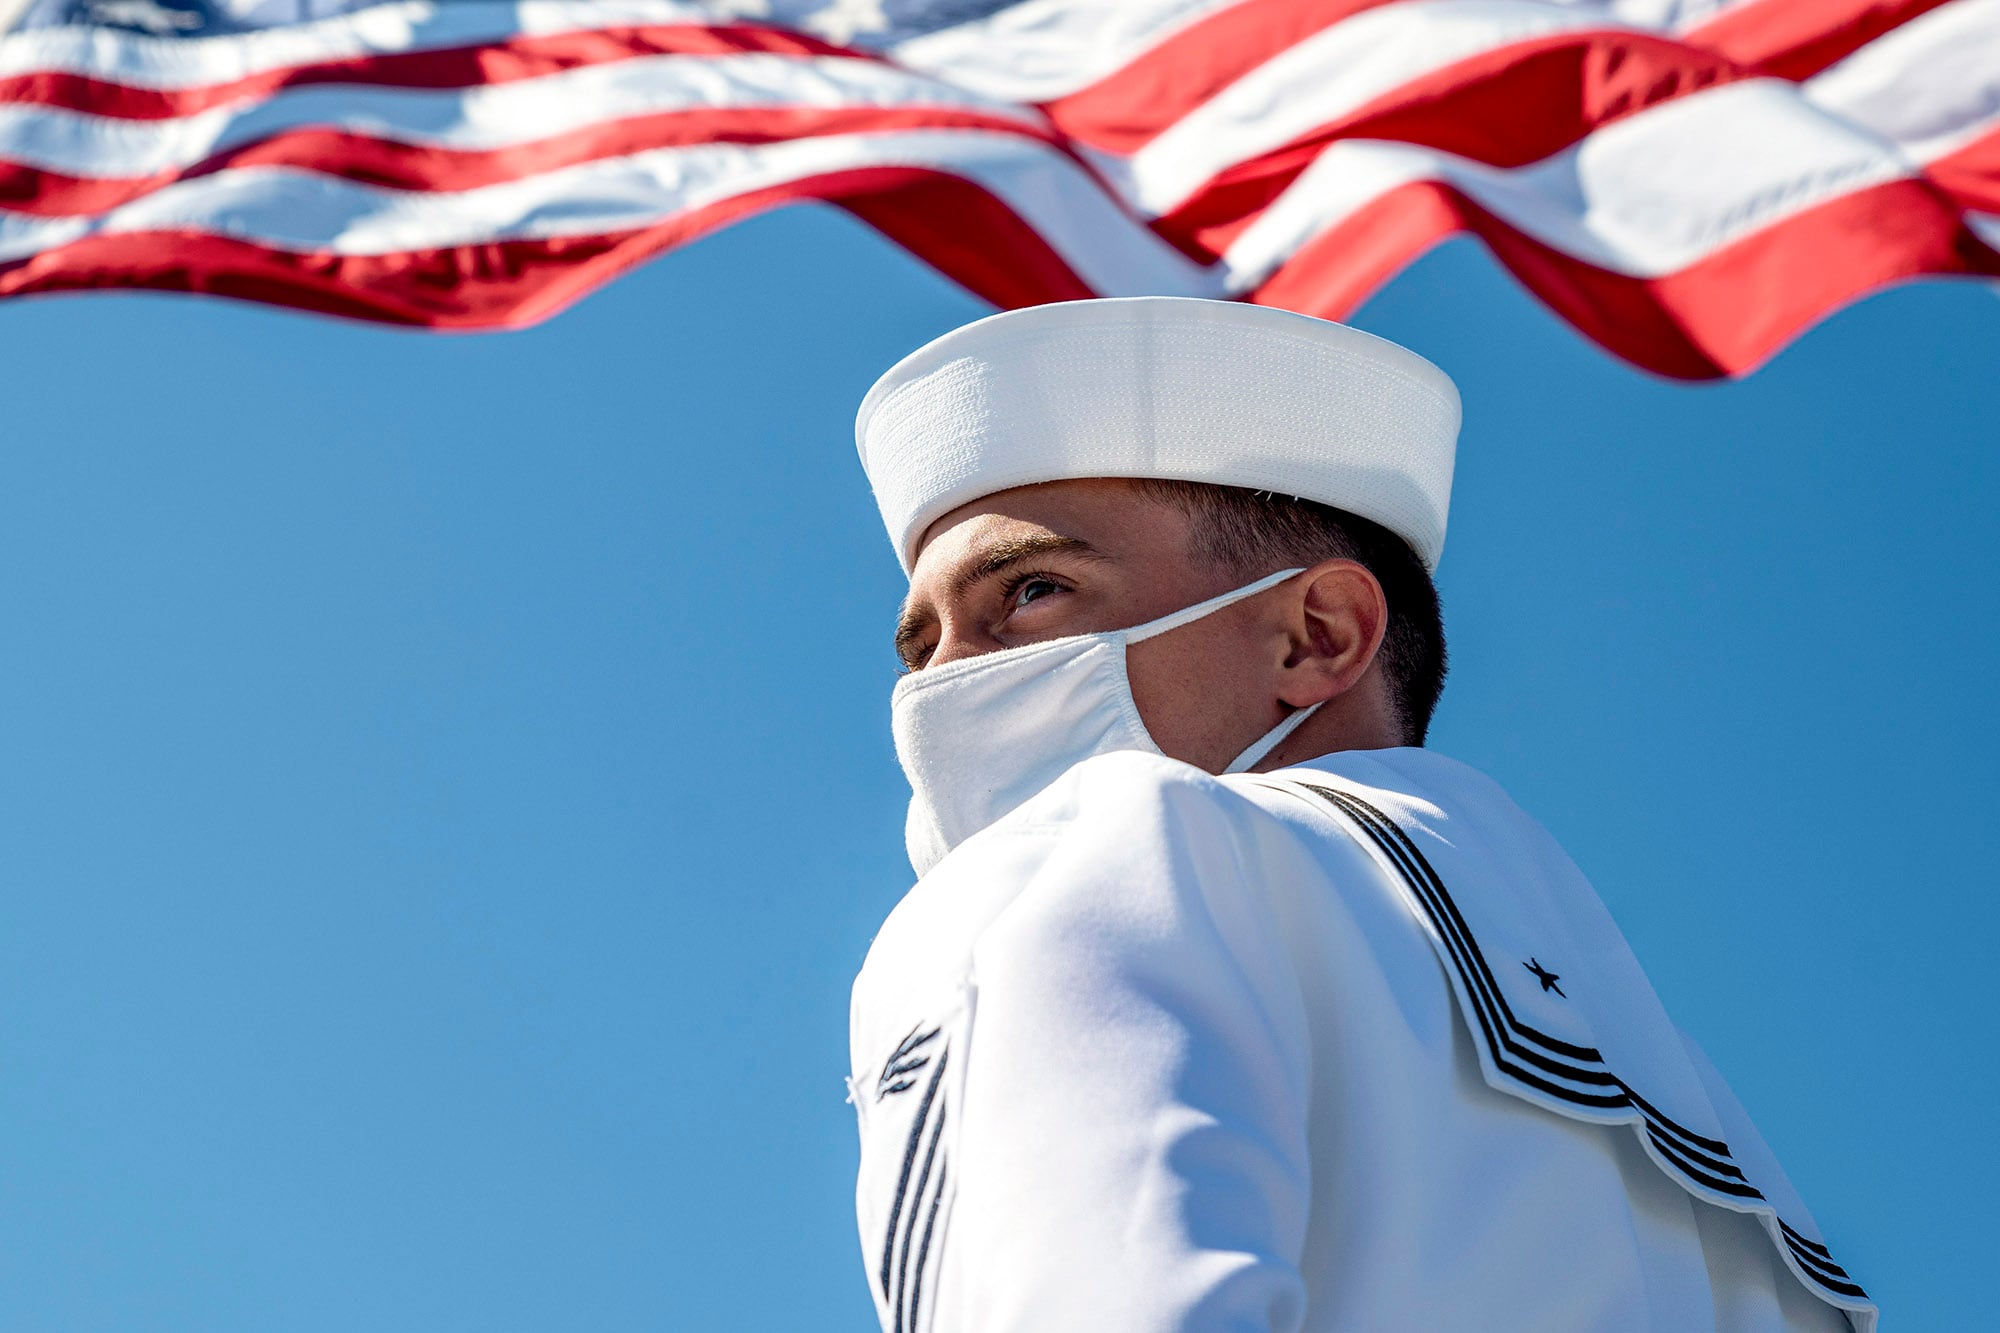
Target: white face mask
pixel 979 736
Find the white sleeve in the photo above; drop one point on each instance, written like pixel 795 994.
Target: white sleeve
pixel 1133 1148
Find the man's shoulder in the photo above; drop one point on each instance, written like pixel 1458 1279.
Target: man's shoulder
pixel 1416 789
pixel 1403 774
pixel 1107 808
pixel 1114 828
pixel 1124 790
pixel 1131 813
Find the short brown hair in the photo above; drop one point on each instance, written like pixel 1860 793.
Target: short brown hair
pixel 1254 532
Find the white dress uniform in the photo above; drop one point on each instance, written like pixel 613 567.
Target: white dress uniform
pixel 1348 1046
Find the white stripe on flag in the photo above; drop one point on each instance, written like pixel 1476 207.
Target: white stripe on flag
pixel 1336 71
pixel 424 25
pixel 1931 86
pixel 1039 50
pixel 287 209
pixel 1645 196
pixel 485 117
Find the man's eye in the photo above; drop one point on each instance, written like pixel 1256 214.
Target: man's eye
pixel 1035 588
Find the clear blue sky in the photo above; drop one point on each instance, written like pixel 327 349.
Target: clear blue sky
pixel 445 788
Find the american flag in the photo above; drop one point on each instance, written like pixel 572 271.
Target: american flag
pixel 1689 182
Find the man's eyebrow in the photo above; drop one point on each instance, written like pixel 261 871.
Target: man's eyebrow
pixel 1011 551
pixel 998 558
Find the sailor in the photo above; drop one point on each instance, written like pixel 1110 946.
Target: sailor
pixel 1220 1003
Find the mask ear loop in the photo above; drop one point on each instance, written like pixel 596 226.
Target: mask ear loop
pixel 1188 614
pixel 1273 738
pixel 1174 620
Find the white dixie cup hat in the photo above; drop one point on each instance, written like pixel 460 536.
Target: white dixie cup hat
pixel 1169 388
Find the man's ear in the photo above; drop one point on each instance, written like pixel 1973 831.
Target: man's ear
pixel 1338 617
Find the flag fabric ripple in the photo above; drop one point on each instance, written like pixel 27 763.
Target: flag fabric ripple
pixel 1689 182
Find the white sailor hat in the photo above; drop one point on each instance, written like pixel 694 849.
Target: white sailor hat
pixel 1171 388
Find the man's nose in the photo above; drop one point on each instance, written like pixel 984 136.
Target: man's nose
pixel 959 641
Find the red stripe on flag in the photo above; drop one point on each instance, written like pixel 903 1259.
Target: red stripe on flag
pixel 968 235
pixel 1796 39
pixel 959 228
pixel 522 57
pixel 1332 274
pixel 1971 175
pixel 1125 109
pixel 1790 39
pixel 424 167
pixel 1724 315
pixel 1507 107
